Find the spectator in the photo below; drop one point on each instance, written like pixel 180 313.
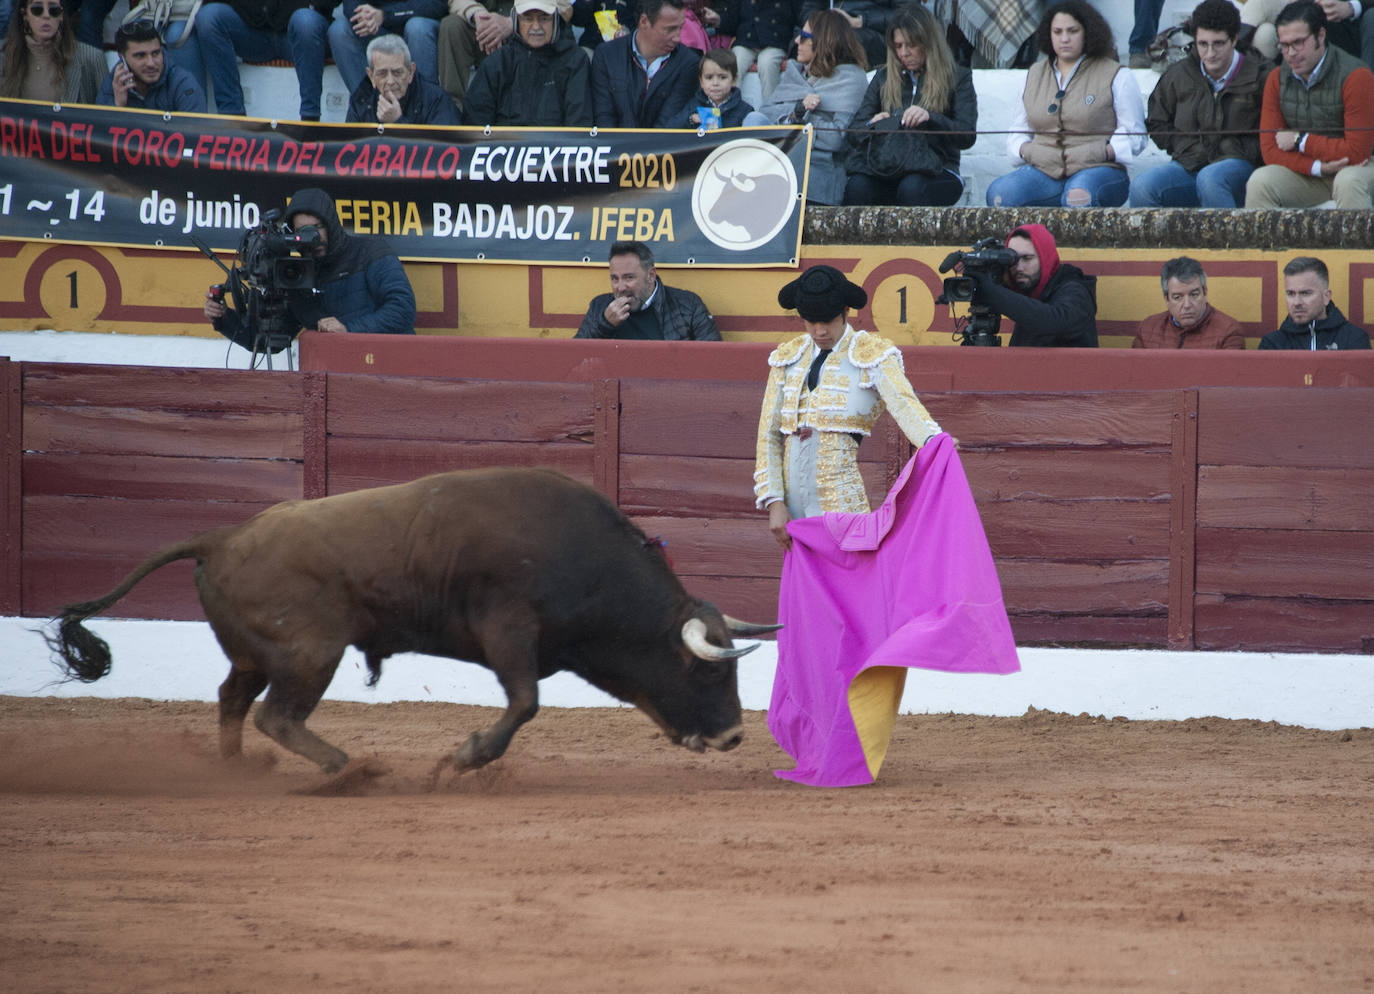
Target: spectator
pixel 616 19
pixel 473 30
pixel 394 93
pixel 539 78
pixel 355 24
pixel 763 30
pixel 180 41
pixel 142 79
pixel 1143 31
pixel 1314 323
pixel 42 59
pixel 717 93
pixel 1348 25
pixel 259 31
pixel 645 78
pixel 922 103
pixel 1205 113
pixel 823 86
pixel 639 306
pixel 1081 119
pixel 1052 303
pixel 1317 122
pixel 1189 321
pixel 360 286
pixel 868 18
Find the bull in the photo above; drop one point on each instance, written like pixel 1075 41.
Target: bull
pixel 524 571
pixel 754 203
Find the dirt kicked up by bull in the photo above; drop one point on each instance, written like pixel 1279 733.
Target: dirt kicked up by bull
pixel 524 571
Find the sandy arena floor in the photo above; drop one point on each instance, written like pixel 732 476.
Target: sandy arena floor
pixel 1041 853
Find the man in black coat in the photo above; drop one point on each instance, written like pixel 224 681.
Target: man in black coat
pixel 639 306
pixel 1313 323
pixel 645 78
pixel 540 78
pixel 1052 302
pixel 394 93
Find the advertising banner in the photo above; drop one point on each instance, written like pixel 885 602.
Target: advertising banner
pixel 103 175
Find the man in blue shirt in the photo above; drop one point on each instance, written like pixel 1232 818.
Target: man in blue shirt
pixel 143 79
pixel 646 78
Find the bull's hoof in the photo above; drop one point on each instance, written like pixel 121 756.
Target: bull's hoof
pixel 470 754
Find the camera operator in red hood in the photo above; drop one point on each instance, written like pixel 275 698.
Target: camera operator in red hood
pixel 1053 303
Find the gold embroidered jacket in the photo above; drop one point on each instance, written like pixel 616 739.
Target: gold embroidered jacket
pixel 862 376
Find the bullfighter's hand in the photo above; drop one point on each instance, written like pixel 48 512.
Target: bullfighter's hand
pixel 1286 140
pixel 388 109
pixel 778 517
pixel 331 325
pixel 914 117
pixel 366 20
pixel 617 311
pixel 214 309
pixel 492 30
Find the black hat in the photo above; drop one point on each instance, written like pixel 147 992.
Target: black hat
pixel 821 294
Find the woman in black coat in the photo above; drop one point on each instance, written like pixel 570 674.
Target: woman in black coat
pixel 919 112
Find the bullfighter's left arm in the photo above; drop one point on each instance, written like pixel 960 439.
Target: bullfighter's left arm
pixel 885 372
pixel 392 297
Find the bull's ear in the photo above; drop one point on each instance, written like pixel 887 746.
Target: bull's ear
pixel 694 638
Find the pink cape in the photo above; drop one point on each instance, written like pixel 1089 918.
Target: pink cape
pixel 909 584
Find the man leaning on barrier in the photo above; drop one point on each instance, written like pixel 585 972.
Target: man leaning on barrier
pixel 640 306
pixel 360 285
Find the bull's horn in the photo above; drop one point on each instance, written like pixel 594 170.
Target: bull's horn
pixel 738 627
pixel 694 638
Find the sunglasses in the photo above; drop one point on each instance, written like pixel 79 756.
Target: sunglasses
pixel 1054 108
pixel 52 10
pixel 804 36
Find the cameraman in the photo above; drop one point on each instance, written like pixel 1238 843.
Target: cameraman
pixel 1052 302
pixel 360 285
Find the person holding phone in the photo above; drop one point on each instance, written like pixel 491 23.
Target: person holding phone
pixel 143 79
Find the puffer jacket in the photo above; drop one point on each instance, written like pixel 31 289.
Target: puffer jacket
pixel 1196 125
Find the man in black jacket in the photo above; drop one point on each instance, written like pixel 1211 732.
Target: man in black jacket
pixel 645 78
pixel 1053 303
pixel 540 78
pixel 1313 322
pixel 640 306
pixel 259 31
pixel 394 93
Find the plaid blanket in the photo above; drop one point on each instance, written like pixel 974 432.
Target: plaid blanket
pixel 996 28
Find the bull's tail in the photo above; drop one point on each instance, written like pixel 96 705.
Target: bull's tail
pixel 77 650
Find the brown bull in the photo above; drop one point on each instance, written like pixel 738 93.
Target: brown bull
pixel 522 570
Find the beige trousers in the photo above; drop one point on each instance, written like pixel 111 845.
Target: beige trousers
pixel 1279 186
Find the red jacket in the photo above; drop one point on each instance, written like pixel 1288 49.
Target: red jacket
pixel 1215 331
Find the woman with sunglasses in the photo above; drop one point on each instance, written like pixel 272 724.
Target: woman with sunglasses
pixel 42 60
pixel 823 86
pixel 1081 119
pixel 922 107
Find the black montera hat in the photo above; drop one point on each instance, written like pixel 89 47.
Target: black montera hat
pixel 821 294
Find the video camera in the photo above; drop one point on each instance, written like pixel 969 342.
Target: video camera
pixel 274 264
pixel 989 258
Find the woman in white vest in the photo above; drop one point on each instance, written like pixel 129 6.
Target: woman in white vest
pixel 1081 119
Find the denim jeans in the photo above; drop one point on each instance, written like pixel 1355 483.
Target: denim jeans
pixel 912 190
pixel 350 51
pixel 224 38
pixel 185 56
pixel 1146 24
pixel 1221 184
pixel 1106 186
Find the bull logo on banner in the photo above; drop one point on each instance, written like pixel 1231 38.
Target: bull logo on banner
pixel 744 194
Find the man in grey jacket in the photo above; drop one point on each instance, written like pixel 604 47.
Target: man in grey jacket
pixel 639 306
